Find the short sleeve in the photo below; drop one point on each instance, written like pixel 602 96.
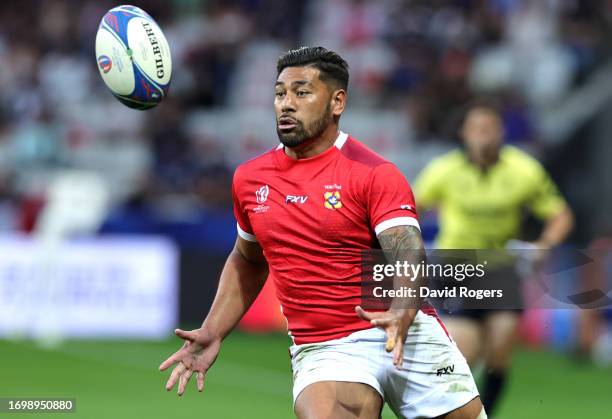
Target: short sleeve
pixel 390 199
pixel 429 185
pixel 545 201
pixel 243 224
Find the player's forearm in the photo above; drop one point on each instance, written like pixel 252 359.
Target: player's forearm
pixel 557 228
pixel 404 244
pixel 240 283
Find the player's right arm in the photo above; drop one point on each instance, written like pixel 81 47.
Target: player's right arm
pixel 429 187
pixel 242 278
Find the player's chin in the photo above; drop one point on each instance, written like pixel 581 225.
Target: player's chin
pixel 290 138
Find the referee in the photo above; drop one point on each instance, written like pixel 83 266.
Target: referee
pixel 481 192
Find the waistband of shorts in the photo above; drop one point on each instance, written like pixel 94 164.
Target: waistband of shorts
pixel 372 333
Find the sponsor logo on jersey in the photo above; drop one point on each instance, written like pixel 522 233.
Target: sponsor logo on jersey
pixel 262 194
pixel 332 200
pixel 406 207
pixel 105 63
pixel 295 199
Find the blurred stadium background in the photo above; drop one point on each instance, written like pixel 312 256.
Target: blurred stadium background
pixel 114 223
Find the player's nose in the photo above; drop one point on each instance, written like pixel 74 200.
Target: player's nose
pixel 288 104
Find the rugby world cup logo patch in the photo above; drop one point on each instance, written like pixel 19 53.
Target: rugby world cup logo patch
pixel 262 194
pixel 332 200
pixel 105 63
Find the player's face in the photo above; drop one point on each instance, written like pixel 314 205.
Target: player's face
pixel 482 134
pixel 303 105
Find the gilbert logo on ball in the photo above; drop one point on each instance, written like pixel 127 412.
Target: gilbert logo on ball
pixel 133 57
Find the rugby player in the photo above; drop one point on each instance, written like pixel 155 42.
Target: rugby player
pixel 305 212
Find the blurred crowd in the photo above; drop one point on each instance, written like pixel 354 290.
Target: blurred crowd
pixel 419 60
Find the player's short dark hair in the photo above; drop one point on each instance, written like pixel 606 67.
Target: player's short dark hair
pixel 333 68
pixel 459 115
pixel 484 103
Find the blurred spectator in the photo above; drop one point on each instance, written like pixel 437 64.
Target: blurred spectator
pixel 418 60
pixel 8 204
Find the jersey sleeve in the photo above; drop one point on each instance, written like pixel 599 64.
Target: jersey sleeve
pixel 546 201
pixel 390 199
pixel 429 185
pixel 243 224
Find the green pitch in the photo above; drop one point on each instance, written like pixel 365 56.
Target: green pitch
pixel 251 379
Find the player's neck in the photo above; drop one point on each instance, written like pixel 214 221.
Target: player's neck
pixel 484 163
pixel 315 146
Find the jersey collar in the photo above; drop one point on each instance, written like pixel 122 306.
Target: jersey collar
pixel 342 137
pixel 286 162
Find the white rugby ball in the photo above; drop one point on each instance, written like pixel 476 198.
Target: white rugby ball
pixel 133 57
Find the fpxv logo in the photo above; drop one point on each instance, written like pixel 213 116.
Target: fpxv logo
pixel 445 370
pixel 295 199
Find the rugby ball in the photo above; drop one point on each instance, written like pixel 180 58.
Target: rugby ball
pixel 133 57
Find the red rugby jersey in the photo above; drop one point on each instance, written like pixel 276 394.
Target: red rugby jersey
pixel 312 218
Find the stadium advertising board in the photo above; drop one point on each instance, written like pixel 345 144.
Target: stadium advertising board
pixel 103 287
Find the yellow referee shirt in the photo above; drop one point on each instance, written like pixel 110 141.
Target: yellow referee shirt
pixel 482 210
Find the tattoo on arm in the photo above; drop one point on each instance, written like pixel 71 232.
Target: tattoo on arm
pixel 402 243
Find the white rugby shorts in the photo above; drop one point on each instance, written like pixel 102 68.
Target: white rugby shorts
pixel 434 379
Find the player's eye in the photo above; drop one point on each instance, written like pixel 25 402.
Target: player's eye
pixel 302 93
pixel 279 93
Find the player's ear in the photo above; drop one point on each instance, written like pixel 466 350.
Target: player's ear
pixel 338 102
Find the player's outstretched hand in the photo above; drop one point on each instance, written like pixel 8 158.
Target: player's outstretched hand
pixel 196 356
pixel 395 323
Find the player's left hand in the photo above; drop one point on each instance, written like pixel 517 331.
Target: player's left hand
pixel 395 323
